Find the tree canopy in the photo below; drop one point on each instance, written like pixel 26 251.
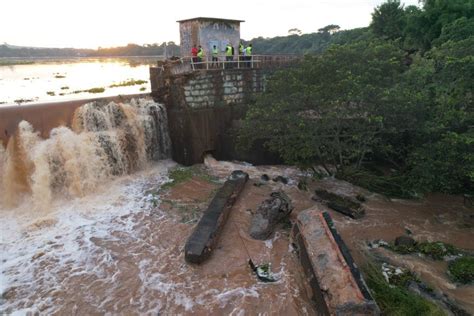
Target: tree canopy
pixel 397 96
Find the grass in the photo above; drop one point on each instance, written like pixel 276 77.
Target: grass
pixel 436 250
pixel 130 82
pixel 142 88
pixel 92 90
pixel 51 93
pixel 65 88
pixel 462 270
pixel 395 299
pixel 181 174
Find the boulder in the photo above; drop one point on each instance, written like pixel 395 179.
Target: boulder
pixel 404 241
pixel 343 205
pixel 269 214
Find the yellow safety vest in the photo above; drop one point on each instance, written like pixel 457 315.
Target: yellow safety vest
pixel 249 51
pixel 228 50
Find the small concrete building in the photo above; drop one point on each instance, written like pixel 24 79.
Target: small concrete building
pixel 208 32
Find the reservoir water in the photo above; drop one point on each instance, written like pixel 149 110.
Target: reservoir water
pixel 51 80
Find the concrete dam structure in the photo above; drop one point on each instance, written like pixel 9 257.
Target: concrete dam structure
pixel 205 104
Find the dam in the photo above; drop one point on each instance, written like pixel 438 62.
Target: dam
pixel 57 159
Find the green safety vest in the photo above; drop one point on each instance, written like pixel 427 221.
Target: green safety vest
pixel 249 51
pixel 201 53
pixel 215 52
pixel 228 50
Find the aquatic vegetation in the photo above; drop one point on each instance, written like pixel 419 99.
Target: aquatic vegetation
pixel 26 78
pixel 142 88
pixel 3 102
pixel 436 250
pixel 91 90
pixel 65 88
pixel 95 90
pixel 395 299
pixel 131 82
pixel 51 93
pixel 462 269
pixel 20 101
pixel 59 76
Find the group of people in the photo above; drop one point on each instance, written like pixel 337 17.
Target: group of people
pixel 245 55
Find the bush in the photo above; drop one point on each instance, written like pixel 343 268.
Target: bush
pixel 462 270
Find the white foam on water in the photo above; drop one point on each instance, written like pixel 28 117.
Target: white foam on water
pixel 37 250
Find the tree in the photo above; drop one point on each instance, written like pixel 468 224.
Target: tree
pixel 389 20
pixel 331 29
pixel 326 111
pixel 294 31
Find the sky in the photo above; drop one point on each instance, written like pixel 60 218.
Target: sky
pixel 108 23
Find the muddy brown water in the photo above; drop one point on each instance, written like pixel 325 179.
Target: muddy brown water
pixel 119 251
pixel 133 263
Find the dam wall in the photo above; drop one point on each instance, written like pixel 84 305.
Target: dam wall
pixel 205 106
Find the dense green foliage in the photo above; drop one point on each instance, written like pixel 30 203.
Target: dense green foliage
pixel 396 299
pixel 387 96
pixel 462 269
pixel 313 43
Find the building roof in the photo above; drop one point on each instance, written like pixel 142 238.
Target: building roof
pixel 211 19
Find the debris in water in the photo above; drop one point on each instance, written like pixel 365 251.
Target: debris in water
pixel 263 272
pixel 272 211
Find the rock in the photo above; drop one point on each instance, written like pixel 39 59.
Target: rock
pixel 269 214
pixel 303 185
pixel 340 204
pixel 281 179
pixel 404 241
pixel 265 177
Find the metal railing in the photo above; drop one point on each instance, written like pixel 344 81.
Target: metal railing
pixel 190 63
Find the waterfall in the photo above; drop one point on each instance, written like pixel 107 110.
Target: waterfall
pixel 105 140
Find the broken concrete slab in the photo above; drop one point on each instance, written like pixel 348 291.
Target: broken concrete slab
pixel 206 234
pixel 336 283
pixel 340 204
pixel 269 213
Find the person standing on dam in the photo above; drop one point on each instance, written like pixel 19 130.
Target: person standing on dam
pixel 229 56
pixel 248 54
pixel 215 56
pixel 194 52
pixel 200 56
pixel 241 51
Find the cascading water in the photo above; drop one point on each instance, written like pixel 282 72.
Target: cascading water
pixel 106 140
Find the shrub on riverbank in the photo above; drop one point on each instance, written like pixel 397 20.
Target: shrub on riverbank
pixel 462 270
